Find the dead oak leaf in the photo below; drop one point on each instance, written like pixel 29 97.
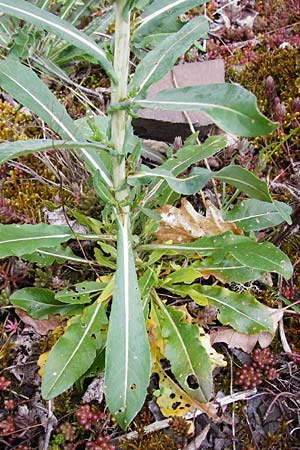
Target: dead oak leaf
pixel 185 224
pixel 41 327
pixel 246 342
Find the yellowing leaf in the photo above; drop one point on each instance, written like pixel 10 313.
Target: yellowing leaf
pixel 41 362
pixel 172 400
pixel 185 224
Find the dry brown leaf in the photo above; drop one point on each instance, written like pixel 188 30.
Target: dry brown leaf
pixel 184 224
pixel 41 327
pixel 246 342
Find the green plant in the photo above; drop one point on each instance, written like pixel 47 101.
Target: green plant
pixel 143 266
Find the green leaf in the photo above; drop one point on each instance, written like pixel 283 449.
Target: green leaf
pixel 254 215
pixel 18 240
pixel 80 293
pixel 230 106
pixel 162 15
pixel 40 303
pixel 182 160
pixel 187 291
pixel 127 355
pixel 190 363
pixel 241 311
pixel 265 257
pixel 10 150
pixel 205 246
pixel 46 256
pixel 187 186
pixel 50 22
pixel 74 352
pixel 157 63
pixel 245 181
pixel 28 89
pixel 184 275
pixel 227 269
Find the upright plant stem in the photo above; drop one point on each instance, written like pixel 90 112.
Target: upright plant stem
pixel 119 118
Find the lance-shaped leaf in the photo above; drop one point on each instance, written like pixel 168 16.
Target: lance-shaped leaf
pixel 244 180
pixel 227 269
pixel 46 256
pixel 190 363
pixel 265 257
pixel 187 186
pixel 74 352
pixel 18 240
pixel 80 292
pixel 241 311
pixel 157 63
pixel 254 215
pixel 231 107
pixel 11 150
pixel 40 303
pixel 205 246
pixel 50 22
pixel 28 89
pixel 127 354
pixel 162 14
pixel 182 160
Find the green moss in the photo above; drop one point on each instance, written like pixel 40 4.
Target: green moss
pixel 15 124
pixel 283 66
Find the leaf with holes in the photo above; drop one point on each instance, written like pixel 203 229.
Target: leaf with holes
pixel 190 362
pixel 80 293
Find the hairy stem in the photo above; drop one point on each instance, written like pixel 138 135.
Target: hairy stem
pixel 119 91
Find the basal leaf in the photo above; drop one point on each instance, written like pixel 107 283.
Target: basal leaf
pixel 187 291
pixel 190 363
pixel 230 106
pixel 127 354
pixel 183 275
pixel 74 352
pixel 265 257
pixel 44 257
pixel 40 303
pixel 244 180
pixel 227 269
pixel 241 311
pixel 18 240
pixel 53 23
pixel 205 246
pixel 80 292
pixel 157 63
pixel 25 86
pixel 255 215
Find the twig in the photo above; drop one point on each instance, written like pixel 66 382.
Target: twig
pixel 50 423
pixel 198 439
